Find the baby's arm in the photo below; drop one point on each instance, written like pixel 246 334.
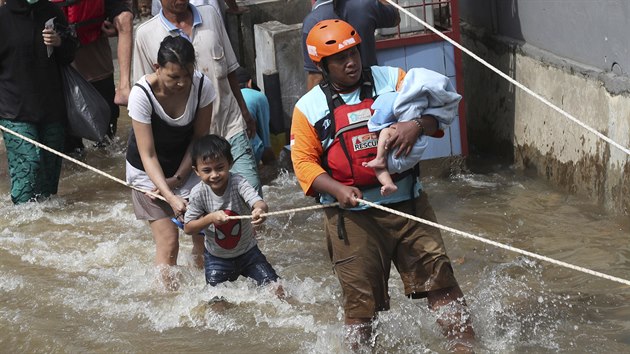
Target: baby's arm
pixel 260 207
pixel 193 227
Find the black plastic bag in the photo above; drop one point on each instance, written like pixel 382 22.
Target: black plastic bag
pixel 88 112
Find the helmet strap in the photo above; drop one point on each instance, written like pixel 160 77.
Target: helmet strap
pixel 324 70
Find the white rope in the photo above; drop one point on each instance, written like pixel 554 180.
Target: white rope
pixel 314 207
pixel 452 230
pixel 514 82
pixel 288 211
pixel 42 146
pixel 118 180
pixel 497 244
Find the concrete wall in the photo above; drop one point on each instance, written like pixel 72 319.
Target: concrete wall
pixel 241 27
pixel 276 45
pixel 574 53
pixel 267 39
pixel 591 32
pixel 505 120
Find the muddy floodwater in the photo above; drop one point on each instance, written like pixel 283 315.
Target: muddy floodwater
pixel 77 275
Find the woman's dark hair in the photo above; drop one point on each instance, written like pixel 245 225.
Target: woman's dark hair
pixel 177 50
pixel 211 147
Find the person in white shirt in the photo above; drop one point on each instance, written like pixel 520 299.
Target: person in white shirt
pixel 215 58
pixel 170 108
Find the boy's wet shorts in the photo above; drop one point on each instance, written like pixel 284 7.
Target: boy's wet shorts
pixel 373 240
pixel 251 264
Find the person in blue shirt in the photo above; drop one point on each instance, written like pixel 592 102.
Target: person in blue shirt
pixel 364 15
pixel 258 107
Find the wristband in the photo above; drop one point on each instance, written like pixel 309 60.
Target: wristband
pixel 419 124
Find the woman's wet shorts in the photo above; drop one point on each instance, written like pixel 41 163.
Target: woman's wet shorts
pixel 147 209
pixel 373 240
pixel 251 264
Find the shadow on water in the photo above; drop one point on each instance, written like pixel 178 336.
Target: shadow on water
pixel 76 274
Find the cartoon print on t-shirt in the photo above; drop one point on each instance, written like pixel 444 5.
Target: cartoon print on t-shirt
pixel 229 234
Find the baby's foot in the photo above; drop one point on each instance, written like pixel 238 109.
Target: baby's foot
pixel 388 189
pixel 376 163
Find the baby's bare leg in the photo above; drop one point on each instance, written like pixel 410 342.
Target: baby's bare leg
pixel 385 179
pixel 379 164
pixel 380 161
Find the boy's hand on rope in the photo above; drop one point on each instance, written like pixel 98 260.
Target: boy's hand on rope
pixel 219 217
pixel 257 218
pixel 258 211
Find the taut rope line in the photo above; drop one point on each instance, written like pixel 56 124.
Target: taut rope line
pixel 42 146
pixel 313 207
pixel 497 244
pixel 118 180
pixel 287 211
pixel 514 82
pixel 452 230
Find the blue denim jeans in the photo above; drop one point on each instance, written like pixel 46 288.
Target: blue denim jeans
pixel 252 264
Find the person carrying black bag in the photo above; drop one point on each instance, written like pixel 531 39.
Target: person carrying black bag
pixel 31 93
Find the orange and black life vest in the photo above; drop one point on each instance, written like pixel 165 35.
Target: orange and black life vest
pixel 86 16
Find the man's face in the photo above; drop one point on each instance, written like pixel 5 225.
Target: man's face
pixel 174 6
pixel 344 68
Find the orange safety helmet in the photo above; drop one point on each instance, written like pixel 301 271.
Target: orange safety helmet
pixel 330 37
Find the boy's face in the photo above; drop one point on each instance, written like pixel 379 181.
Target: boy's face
pixel 344 68
pixel 214 172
